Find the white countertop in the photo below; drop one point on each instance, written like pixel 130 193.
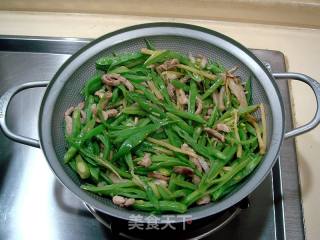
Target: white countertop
pixel 300 46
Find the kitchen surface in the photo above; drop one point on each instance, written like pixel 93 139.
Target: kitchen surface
pixel 273 210
pixel 299 46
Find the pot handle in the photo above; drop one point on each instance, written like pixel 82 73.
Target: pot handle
pixel 4 103
pixel 315 86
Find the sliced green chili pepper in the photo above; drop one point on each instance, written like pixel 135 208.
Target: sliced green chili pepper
pixel 185 115
pixel 164 206
pixel 249 90
pixel 180 85
pixel 135 140
pixel 193 93
pixel 92 85
pixel 82 167
pixel 212 88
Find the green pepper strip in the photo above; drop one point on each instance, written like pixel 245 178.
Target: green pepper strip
pixel 76 123
pixel 135 78
pixel 228 176
pixel 213 88
pixel 122 135
pixel 171 163
pixel 72 151
pixel 164 206
pixel 181 123
pixel 213 117
pixel 82 167
pixel 207 180
pixel 215 68
pixel 118 120
pixel 152 197
pixel 180 85
pixel 196 71
pixel 162 87
pixel 184 184
pixel 249 90
pixel 223 190
pixel 196 134
pixel 107 145
pixel 92 85
pixel 133 110
pixel 92 133
pixel 135 139
pixel 217 165
pixel 181 193
pixel 148 94
pixel 88 103
pixel 193 93
pixel 95 173
pixel 165 193
pixel 115 96
pixel 163 55
pixel 201 149
pixel 108 63
pixel 96 189
pixel 118 172
pixel 186 115
pixel 124 189
pixel 148 107
pixel 129 162
pixel 241 111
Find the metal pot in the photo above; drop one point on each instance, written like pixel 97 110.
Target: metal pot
pixel 64 90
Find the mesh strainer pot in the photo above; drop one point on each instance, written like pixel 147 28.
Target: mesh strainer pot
pixel 64 90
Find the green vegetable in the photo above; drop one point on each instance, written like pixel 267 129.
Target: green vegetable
pixel 249 90
pixel 82 168
pixel 180 85
pixel 215 68
pixel 212 88
pixel 92 85
pixel 76 123
pixel 135 140
pixel 163 55
pixel 193 93
pixel 164 206
pixel 185 115
pixel 104 138
pixel 149 144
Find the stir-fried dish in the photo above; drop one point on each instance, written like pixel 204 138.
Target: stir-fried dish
pixel 160 131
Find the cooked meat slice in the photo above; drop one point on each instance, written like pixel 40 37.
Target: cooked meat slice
pixel 114 79
pixel 129 202
pixel 68 121
pixel 168 65
pixel 109 113
pixel 181 97
pixel 122 201
pixel 158 176
pixel 223 127
pixel 196 179
pixel 237 90
pixel 221 99
pixel 69 111
pixel 204 200
pixel 183 170
pixel 199 106
pixel 146 160
pixel 171 90
pixel 215 134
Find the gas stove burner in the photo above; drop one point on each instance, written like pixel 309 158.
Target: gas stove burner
pixel 188 230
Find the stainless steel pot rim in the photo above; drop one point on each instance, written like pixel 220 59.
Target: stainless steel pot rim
pixel 175 29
